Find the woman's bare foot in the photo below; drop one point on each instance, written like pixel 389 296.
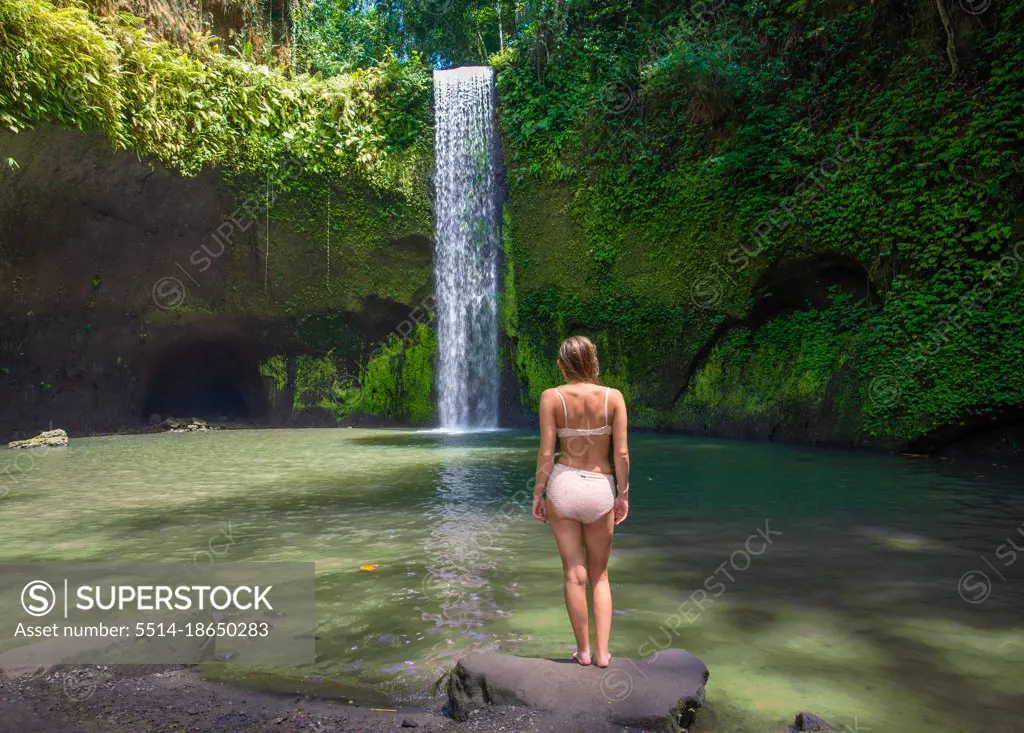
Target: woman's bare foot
pixel 603 660
pixel 582 658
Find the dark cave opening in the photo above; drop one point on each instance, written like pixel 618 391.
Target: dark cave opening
pixel 804 284
pixel 207 378
pixel 991 433
pixel 791 285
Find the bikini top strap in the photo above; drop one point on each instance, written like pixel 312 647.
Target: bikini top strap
pixel 565 409
pixel 606 391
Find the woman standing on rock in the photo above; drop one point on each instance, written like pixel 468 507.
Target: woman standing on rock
pixel 578 494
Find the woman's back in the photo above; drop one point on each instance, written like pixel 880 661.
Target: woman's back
pixel 584 414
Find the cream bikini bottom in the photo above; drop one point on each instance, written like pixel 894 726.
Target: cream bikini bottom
pixel 585 496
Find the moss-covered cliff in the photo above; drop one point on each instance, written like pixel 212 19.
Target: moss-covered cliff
pixel 299 234
pixel 779 219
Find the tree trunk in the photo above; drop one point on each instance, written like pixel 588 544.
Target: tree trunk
pixel 501 31
pixel 954 63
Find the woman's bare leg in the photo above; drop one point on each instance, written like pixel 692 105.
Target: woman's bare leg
pixel 569 538
pixel 598 539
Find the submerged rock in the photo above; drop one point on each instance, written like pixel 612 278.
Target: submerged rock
pixel 49 439
pixel 807 722
pixel 663 694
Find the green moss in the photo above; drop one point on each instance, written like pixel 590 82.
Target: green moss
pixel 507 312
pixel 789 369
pixel 418 376
pixel 275 369
pixel 544 243
pixel 398 381
pixel 537 371
pixel 316 382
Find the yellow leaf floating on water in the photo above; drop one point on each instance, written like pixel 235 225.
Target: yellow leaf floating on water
pixel 368 568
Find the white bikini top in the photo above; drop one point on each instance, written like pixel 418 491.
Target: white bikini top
pixel 568 432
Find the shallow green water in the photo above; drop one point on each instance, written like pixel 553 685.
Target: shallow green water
pixel 853 611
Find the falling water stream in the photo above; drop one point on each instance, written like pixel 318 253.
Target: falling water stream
pixel 466 252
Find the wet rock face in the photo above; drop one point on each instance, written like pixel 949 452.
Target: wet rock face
pixel 48 439
pixel 118 302
pixel 88 232
pixel 662 694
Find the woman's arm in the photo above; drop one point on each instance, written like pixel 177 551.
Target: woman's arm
pixel 545 454
pixel 621 455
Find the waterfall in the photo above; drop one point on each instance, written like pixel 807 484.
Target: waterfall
pixel 468 219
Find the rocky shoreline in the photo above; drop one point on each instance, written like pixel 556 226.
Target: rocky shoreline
pixel 193 425
pixel 162 699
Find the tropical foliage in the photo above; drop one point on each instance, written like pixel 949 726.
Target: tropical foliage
pixel 60 63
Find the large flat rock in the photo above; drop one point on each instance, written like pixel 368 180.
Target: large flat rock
pixel 661 694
